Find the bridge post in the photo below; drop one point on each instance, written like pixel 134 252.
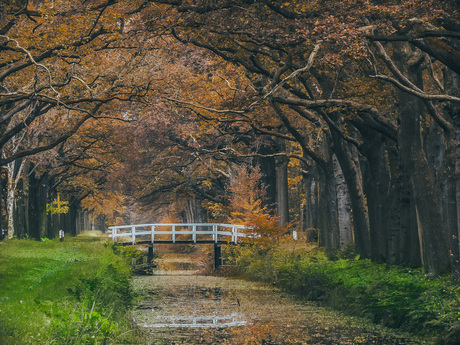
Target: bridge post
pixel 150 253
pixel 217 255
pixel 214 233
pixel 234 235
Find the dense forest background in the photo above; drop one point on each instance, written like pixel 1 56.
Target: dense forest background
pixel 337 117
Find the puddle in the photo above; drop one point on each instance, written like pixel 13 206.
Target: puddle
pixel 192 309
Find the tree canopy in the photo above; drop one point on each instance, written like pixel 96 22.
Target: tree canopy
pixel 348 110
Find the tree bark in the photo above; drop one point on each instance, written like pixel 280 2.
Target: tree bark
pixel 377 183
pixel 310 206
pixel 328 222
pixel 10 200
pixel 434 251
pixel 282 190
pixel 343 207
pixel 452 167
pixel 351 171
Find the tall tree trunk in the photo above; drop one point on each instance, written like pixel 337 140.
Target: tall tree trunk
pixel 268 169
pixel 328 222
pixel 452 166
pixel 328 216
pixel 403 242
pixel 14 172
pixel 37 206
pixel 310 206
pixel 351 171
pixel 43 201
pixel 343 207
pixel 22 203
pixel 10 193
pixel 282 190
pixel 435 257
pixel 377 187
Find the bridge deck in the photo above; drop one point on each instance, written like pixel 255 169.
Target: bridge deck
pixel 177 233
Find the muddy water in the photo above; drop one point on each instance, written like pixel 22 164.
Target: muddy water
pixel 178 307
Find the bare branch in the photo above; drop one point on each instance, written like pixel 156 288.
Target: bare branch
pixel 31 58
pixel 423 95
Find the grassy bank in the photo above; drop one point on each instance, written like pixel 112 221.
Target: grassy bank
pixel 72 292
pixel 399 298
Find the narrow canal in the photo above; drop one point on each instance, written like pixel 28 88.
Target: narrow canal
pixel 180 307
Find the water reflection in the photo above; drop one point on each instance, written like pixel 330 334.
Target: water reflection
pixel 232 320
pixel 191 309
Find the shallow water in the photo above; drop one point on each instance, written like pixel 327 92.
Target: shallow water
pixel 176 307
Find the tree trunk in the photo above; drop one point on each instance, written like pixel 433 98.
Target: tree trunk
pixel 38 198
pixel 310 205
pixel 282 190
pixel 328 222
pixel 343 207
pixel 328 216
pixel 10 201
pixel 351 171
pixel 43 201
pixel 22 203
pixel 435 258
pixel 452 166
pixel 377 187
pixel 268 169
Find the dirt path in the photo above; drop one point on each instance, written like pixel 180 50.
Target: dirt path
pixel 180 308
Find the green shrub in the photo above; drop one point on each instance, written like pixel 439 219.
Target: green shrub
pixel 394 297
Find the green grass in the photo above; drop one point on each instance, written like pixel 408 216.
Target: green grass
pixel 71 292
pixel 400 298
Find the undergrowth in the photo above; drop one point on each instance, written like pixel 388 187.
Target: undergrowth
pixel 72 292
pixel 400 298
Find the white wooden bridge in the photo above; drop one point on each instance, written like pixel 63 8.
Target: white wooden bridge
pixel 177 233
pixel 217 234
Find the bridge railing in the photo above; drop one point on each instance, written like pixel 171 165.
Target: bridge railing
pixel 217 232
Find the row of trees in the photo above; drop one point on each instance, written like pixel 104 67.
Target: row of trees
pixel 347 111
pixel 65 79
pixel 358 89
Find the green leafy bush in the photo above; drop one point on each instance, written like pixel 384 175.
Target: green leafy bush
pixel 395 297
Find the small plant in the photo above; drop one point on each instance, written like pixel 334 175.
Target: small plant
pixel 83 327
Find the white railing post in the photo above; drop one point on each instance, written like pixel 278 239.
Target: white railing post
pixel 214 233
pixel 214 229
